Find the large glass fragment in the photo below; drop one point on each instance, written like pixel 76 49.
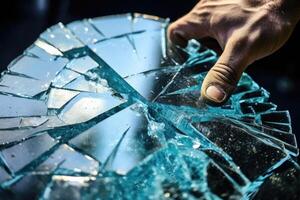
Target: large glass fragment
pixel 104 109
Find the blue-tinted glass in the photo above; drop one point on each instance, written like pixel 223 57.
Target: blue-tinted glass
pixel 104 109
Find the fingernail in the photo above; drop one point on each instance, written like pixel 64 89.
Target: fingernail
pixel 215 93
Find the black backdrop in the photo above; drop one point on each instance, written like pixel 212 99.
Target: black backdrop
pixel 22 21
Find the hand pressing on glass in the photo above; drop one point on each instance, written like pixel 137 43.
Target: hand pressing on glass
pixel 246 30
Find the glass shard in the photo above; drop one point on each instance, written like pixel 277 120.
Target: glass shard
pixel 122 147
pixel 22 86
pixel 35 68
pixel 20 155
pixel 59 97
pixel 61 38
pixel 66 160
pixel 82 64
pixel 85 31
pixel 85 106
pixel 111 26
pixel 4 176
pixel 18 107
pixel 224 134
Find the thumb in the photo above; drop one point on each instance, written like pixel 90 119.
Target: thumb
pixel 223 77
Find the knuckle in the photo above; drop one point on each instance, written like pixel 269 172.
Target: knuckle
pixel 172 27
pixel 241 41
pixel 200 13
pixel 225 74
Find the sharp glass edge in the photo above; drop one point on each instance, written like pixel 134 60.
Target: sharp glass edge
pixel 179 56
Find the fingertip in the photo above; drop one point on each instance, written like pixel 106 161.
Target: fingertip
pixel 177 35
pixel 214 95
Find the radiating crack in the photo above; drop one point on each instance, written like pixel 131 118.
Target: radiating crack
pixel 105 108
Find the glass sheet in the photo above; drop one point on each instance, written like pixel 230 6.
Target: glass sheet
pixel 104 108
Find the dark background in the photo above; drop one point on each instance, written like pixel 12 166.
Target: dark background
pixel 22 21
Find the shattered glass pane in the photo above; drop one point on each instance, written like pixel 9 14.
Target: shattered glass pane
pixel 104 109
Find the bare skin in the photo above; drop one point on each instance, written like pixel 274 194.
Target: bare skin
pixel 246 30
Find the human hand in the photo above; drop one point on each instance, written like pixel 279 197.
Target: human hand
pixel 246 30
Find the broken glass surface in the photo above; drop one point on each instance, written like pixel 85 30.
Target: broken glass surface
pixel 104 109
